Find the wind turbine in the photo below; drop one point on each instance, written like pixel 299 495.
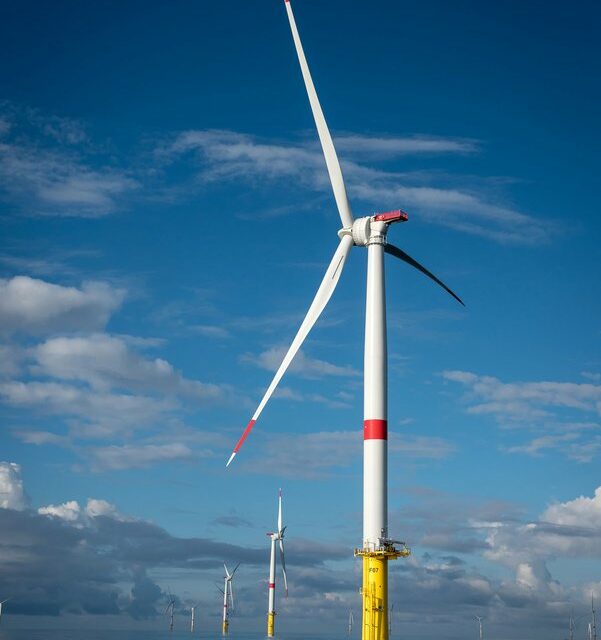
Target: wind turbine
pixel 351 621
pixel 479 619
pixel 1 603
pixel 169 609
pixel 277 537
pixel 192 618
pixel 228 597
pixel 594 623
pixel 371 231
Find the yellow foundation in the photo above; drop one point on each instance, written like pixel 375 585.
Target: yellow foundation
pixel 270 624
pixel 375 590
pixel 224 627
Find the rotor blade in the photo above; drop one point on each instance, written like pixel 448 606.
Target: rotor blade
pixel 329 152
pixel 283 566
pixel 280 511
pixel 323 295
pixel 231 596
pixel 234 571
pixel 399 253
pixel 227 573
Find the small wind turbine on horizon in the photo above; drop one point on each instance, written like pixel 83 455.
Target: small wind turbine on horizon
pixel 276 537
pixel 2 603
pixel 170 609
pixel 369 232
pixel 192 618
pixel 594 620
pixel 351 621
pixel 479 619
pixel 228 597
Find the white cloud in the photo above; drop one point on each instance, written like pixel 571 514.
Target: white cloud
pixel 314 455
pixel 138 456
pixel 580 512
pixel 525 400
pixel 12 493
pixel 49 166
pixel 106 362
pixel 97 414
pixel 36 306
pixel 227 155
pixel 79 516
pixel 211 331
pixel 302 364
pixel 394 146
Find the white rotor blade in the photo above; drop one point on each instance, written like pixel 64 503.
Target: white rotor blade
pixel 283 566
pixel 231 595
pixel 227 573
pixel 329 152
pixel 323 295
pixel 235 568
pixel 280 512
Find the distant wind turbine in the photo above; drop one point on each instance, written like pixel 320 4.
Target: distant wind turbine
pixel 479 619
pixel 1 603
pixel 228 597
pixel 170 610
pixel 594 623
pixel 278 536
pixel 192 618
pixel 351 621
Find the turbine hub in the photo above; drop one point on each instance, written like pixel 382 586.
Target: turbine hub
pixel 373 229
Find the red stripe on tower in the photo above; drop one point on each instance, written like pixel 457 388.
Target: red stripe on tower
pixel 375 430
pixel 272 585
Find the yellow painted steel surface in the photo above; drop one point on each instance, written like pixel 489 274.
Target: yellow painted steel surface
pixel 375 597
pixel 375 590
pixel 270 624
pixel 224 628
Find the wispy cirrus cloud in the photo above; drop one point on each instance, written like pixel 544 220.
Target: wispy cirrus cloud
pixel 561 414
pixel 48 167
pixel 319 454
pixel 302 364
pixel 226 155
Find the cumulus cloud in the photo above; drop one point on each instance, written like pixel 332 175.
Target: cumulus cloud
pixel 36 306
pixel 12 493
pixel 107 362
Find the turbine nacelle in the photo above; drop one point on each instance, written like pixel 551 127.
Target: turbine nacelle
pixel 372 229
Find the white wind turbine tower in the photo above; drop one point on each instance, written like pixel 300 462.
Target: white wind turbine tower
pixel 370 232
pixel 479 619
pixel 276 537
pixel 192 618
pixel 1 603
pixel 228 597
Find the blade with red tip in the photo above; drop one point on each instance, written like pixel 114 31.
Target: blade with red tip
pixel 329 152
pixel 322 297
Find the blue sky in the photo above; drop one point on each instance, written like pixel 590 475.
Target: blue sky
pixel 166 219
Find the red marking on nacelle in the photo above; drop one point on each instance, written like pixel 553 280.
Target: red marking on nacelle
pixel 375 430
pixel 392 216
